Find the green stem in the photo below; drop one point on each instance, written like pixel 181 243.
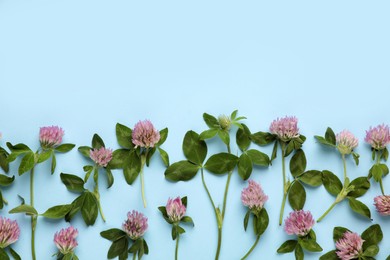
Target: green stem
pixel 226 193
pixel 283 146
pixel 345 166
pixel 381 185
pixel 97 194
pixel 33 218
pixel 143 160
pixel 5 201
pixel 219 243
pixel 378 161
pixel 177 247
pixel 326 212
pixel 207 191
pixel 134 255
pixel 252 248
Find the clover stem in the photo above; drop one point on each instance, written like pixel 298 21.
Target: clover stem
pixel 326 212
pixel 283 146
pixel 381 185
pixel 177 247
pixel 134 255
pixel 345 166
pixel 143 160
pixel 33 218
pixel 252 248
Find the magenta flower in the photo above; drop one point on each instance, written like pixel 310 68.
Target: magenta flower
pixel 50 136
pixel 145 135
pixel 9 232
pixel 382 204
pixel 349 246
pixel 175 209
pixel 299 223
pixel 101 156
pixel 253 196
pixel 346 142
pixel 378 137
pixel 135 225
pixel 285 128
pixel 65 240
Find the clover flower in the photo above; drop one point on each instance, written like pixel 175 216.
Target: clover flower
pixel 135 225
pixel 50 136
pixel 65 240
pixel 346 142
pixel 253 196
pixel 101 156
pixel 9 232
pixel 145 135
pixel 299 223
pixel 378 137
pixel 175 209
pixel 285 128
pixel 349 246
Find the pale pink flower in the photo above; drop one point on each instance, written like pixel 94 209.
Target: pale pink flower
pixel 378 137
pixel 299 223
pixel 253 196
pixel 346 142
pixel 145 135
pixel 285 128
pixel 50 136
pixel 65 240
pixel 175 209
pixel 135 225
pixel 9 232
pixel 101 156
pixel 382 204
pixel 349 246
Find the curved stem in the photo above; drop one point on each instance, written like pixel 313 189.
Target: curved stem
pixel 252 248
pixel 226 193
pixel 33 218
pixel 100 207
pixel 5 201
pixel 283 146
pixel 143 159
pixel 381 185
pixel 207 190
pixel 177 247
pixel 345 166
pixel 326 212
pixel 219 243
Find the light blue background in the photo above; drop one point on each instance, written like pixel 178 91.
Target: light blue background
pixel 86 65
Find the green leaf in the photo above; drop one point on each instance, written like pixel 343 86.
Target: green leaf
pixel 310 245
pixel 372 236
pixel 225 137
pixel 57 211
pixel 132 168
pixel 221 163
pixel 53 164
pixel 312 178
pixel 195 150
pixel 110 178
pixel 3 254
pixel 376 172
pixel 64 148
pixel 135 247
pixel 297 196
pixel 207 134
pixel 243 138
pixel 27 163
pixel 289 148
pixel 260 223
pixel 17 150
pixel 174 232
pixel 72 182
pixel 184 201
pixel 3 160
pixel 5 180
pixel 1 201
pixel 356 158
pixel 76 206
pixel 113 234
pixel 210 121
pixel 149 155
pixel 146 248
pixel 24 208
pixel 245 166
pixel 234 114
pixel 330 137
pixel 371 251
pixel 338 233
pixel 298 163
pixel 287 246
pixel 84 150
pixel 97 142
pixel 164 156
pixel 274 152
pixel 43 156
pixel 385 154
pixel 258 157
pixel 88 170
pixel 361 185
pixel 246 219
pixel 14 254
pixel 119 159
pixel 385 169
pixel 181 171
pixel 118 247
pixel 323 141
pixel 331 255
pixel 187 219
pixel 331 183
pixel 89 210
pixel 124 136
pixel 262 138
pixel 359 207
pixel 163 136
pixel 299 252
